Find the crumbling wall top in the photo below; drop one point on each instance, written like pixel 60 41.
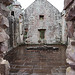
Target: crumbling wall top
pixel 6 2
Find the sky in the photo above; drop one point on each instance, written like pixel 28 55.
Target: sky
pixel 59 4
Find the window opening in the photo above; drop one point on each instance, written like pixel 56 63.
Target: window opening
pixel 41 17
pixel 42 33
pixel 12 13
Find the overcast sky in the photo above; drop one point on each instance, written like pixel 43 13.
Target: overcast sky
pixel 59 4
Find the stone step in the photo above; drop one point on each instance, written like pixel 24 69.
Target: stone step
pixel 38 62
pixel 39 70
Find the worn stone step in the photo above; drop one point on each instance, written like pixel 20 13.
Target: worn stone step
pixel 14 70
pixel 38 62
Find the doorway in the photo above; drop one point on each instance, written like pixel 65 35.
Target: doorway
pixel 42 33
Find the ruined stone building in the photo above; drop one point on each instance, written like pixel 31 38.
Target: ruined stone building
pixel 42 23
pixel 69 7
pixel 16 21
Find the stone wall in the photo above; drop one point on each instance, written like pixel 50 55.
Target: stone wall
pixel 16 22
pixel 51 23
pixel 70 19
pixel 4 23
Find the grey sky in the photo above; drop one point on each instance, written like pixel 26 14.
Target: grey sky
pixel 59 4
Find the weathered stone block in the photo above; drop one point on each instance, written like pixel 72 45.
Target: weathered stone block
pixel 2 69
pixel 6 66
pixel 73 43
pixel 70 29
pixel 74 34
pixel 3 36
pixel 70 53
pixel 4 10
pixel 71 14
pixel 3 22
pixel 70 62
pixel 6 63
pixel 4 47
pixel 67 3
pixel 69 71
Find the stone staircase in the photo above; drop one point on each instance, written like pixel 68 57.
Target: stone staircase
pixel 38 62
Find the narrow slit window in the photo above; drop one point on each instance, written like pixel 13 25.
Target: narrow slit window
pixel 41 17
pixel 12 13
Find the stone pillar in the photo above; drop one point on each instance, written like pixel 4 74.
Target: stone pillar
pixel 4 23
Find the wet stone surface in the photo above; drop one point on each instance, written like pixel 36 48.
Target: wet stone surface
pixel 39 62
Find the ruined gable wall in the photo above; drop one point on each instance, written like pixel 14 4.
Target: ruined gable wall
pixel 50 22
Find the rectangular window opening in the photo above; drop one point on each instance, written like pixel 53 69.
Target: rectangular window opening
pixel 12 13
pixel 42 33
pixel 41 17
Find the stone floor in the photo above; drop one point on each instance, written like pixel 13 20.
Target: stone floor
pixel 39 62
